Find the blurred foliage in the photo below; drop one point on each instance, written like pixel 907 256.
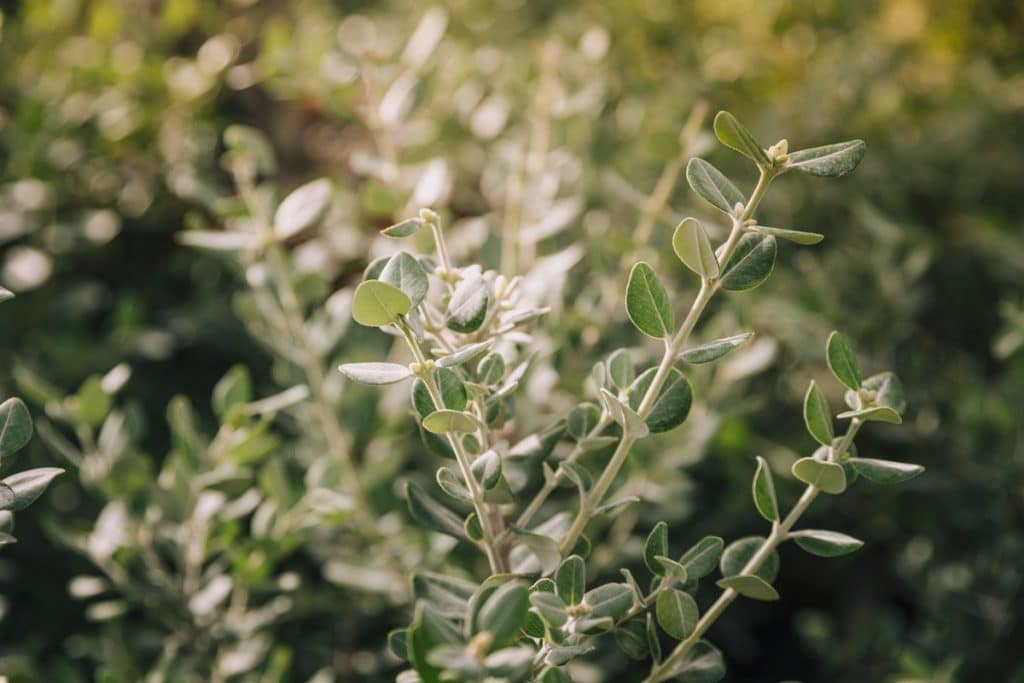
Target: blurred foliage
pixel 196 540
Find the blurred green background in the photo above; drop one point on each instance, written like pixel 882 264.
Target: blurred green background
pixel 112 116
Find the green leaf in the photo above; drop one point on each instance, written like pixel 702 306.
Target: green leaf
pixel 795 236
pixel 703 663
pixel 647 303
pixel 888 391
pixel 750 586
pixel 829 160
pixel 764 492
pixel 610 600
pixel 464 355
pixel 842 361
pixel 582 419
pixel 555 676
pixel 632 639
pixel 738 553
pixel 653 642
pixel 377 303
pixel 29 485
pixel 304 207
pixel 474 530
pixel 677 613
pixel 671 407
pixel 397 643
pixel 571 579
pixel 692 246
pixel 445 421
pixel 731 133
pixel 405 272
pixel 885 471
pixel 491 369
pixel 825 543
pixel 551 608
pixel 827 476
pixel 487 469
pixel 751 262
pixel 503 613
pixel 432 514
pixel 817 416
pixel 233 389
pixel 429 631
pixel 452 483
pixel 541 547
pixel 702 558
pixel 873 414
pixel 409 226
pixel 708 182
pixel 467 308
pixel 621 369
pixel 453 391
pixel 15 426
pixel 657 544
pixel 92 403
pixel 705 353
pixel 375 373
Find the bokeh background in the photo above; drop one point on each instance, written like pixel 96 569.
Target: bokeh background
pixel 559 118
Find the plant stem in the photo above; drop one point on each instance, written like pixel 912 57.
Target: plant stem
pixel 490 546
pixel 673 347
pixel 779 533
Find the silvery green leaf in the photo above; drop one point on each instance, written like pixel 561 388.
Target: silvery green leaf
pixel 622 413
pixel 749 586
pixel 677 613
pixel 647 303
pixel 543 549
pixel 301 209
pixel 15 426
pixel 703 663
pixel 621 369
pixel 377 303
pixel 233 389
pixel 405 228
pixel 817 416
pixel 405 272
pixel 705 353
pixel 888 391
pixel 842 362
pixel 671 407
pixel 550 607
pixel 397 643
pixel 432 514
pixel 219 240
pixel 885 471
pixel 631 638
pixel 453 390
pixel 571 580
pixel 764 492
pixel 829 160
pixel 375 373
pixel 691 244
pixel 503 613
pixel 734 134
pixel 464 355
pixel 594 443
pixel 611 600
pixel 827 476
pixel 825 543
pixel 657 544
pixel 702 558
pixel 750 263
pixel 446 421
pixel 612 507
pixel 487 469
pixel 582 419
pixel 738 553
pixel 712 186
pixel 451 483
pixel 872 414
pixel 795 236
pixel 29 485
pixel 467 307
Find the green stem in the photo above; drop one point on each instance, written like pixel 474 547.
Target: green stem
pixel 779 533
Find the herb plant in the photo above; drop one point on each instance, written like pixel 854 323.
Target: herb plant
pixel 466 332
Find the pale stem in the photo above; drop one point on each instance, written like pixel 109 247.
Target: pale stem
pixel 779 533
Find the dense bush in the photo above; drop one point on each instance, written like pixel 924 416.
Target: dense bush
pixel 179 361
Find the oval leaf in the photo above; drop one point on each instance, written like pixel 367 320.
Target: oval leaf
pixel 677 613
pixel 656 545
pixel 15 426
pixel 467 308
pixel 304 207
pixel 751 263
pixel 503 613
pixel 734 134
pixel 702 558
pixel 736 556
pixel 647 303
pixel 750 587
pixel 29 485
pixel 444 421
pixel 571 580
pixel 375 373
pixel 817 416
pixel 829 160
pixel 705 353
pixel 409 226
pixel 432 514
pixel 708 182
pixel 827 476
pixel 826 543
pixel 885 471
pixel 377 303
pixel 692 246
pixel 404 271
pixel 842 361
pixel 671 407
pixel 610 600
pixel 764 492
